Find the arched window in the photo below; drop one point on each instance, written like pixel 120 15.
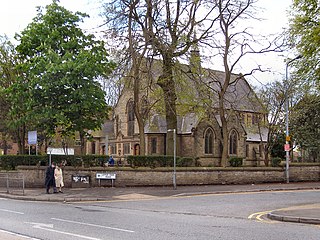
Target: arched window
pixel 233 143
pixel 130 117
pixel 208 141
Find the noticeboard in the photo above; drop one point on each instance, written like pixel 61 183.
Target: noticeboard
pixel 80 181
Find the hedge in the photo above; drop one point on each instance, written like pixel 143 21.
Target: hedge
pixel 10 162
pixel 275 162
pixel 236 161
pixel 160 161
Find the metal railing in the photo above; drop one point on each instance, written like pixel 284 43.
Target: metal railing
pixel 12 182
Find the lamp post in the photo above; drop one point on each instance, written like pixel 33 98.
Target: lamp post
pixel 174 179
pixel 287 146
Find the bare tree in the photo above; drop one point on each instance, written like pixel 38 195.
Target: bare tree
pixel 233 44
pixel 124 34
pixel 137 58
pixel 273 97
pixel 167 29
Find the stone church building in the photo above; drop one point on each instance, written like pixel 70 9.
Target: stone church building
pixel 198 123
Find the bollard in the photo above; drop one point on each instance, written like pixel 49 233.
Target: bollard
pixel 7 183
pixel 23 185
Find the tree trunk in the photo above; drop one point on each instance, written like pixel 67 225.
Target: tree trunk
pixel 223 117
pixel 265 149
pixel 136 64
pixel 266 156
pixel 21 136
pixel 224 126
pixel 5 147
pixel 138 113
pixel 82 142
pixel 167 84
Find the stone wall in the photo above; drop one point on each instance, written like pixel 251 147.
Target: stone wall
pixel 34 176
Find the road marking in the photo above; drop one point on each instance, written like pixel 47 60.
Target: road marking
pixel 93 225
pixel 40 225
pixel 258 217
pixel 18 235
pixel 6 210
pixel 49 227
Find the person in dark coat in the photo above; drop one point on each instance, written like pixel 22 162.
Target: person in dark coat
pixel 50 181
pixel 111 161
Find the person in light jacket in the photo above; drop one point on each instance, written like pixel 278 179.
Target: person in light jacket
pixel 58 176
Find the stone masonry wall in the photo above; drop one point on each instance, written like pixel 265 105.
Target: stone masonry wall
pixel 34 176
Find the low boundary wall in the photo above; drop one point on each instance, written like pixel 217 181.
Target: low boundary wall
pixel 35 176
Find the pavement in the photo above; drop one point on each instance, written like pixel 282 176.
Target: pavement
pixel 303 214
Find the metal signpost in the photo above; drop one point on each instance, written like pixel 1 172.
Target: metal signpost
pixel 287 145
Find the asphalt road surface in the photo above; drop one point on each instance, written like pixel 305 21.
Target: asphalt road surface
pixel 213 216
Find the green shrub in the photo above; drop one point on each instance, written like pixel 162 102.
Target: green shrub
pixel 159 161
pixel 275 162
pixel 10 162
pixel 186 162
pixel 235 161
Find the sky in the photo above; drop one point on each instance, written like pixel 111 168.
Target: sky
pixel 15 15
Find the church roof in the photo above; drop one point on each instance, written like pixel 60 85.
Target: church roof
pixel 239 94
pixel 254 136
pixel 107 129
pixel 185 124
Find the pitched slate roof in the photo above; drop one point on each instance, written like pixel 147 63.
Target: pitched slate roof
pixel 157 124
pixel 254 136
pixel 239 94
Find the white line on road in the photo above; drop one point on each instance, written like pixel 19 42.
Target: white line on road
pixel 6 210
pixel 47 227
pixel 17 235
pixel 93 225
pixel 38 225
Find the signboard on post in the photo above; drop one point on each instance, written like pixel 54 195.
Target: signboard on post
pixel 32 140
pixel 60 151
pixel 32 137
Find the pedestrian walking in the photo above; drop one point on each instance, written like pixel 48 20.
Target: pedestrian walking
pixel 50 181
pixel 58 177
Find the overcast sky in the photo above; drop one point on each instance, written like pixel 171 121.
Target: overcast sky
pixel 15 15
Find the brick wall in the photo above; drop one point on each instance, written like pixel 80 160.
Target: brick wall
pixel 34 176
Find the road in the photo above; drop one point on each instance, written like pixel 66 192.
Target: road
pixel 212 216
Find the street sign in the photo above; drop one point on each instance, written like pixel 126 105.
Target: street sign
pixel 60 151
pixel 287 147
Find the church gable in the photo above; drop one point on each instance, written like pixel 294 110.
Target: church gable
pixel 198 124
